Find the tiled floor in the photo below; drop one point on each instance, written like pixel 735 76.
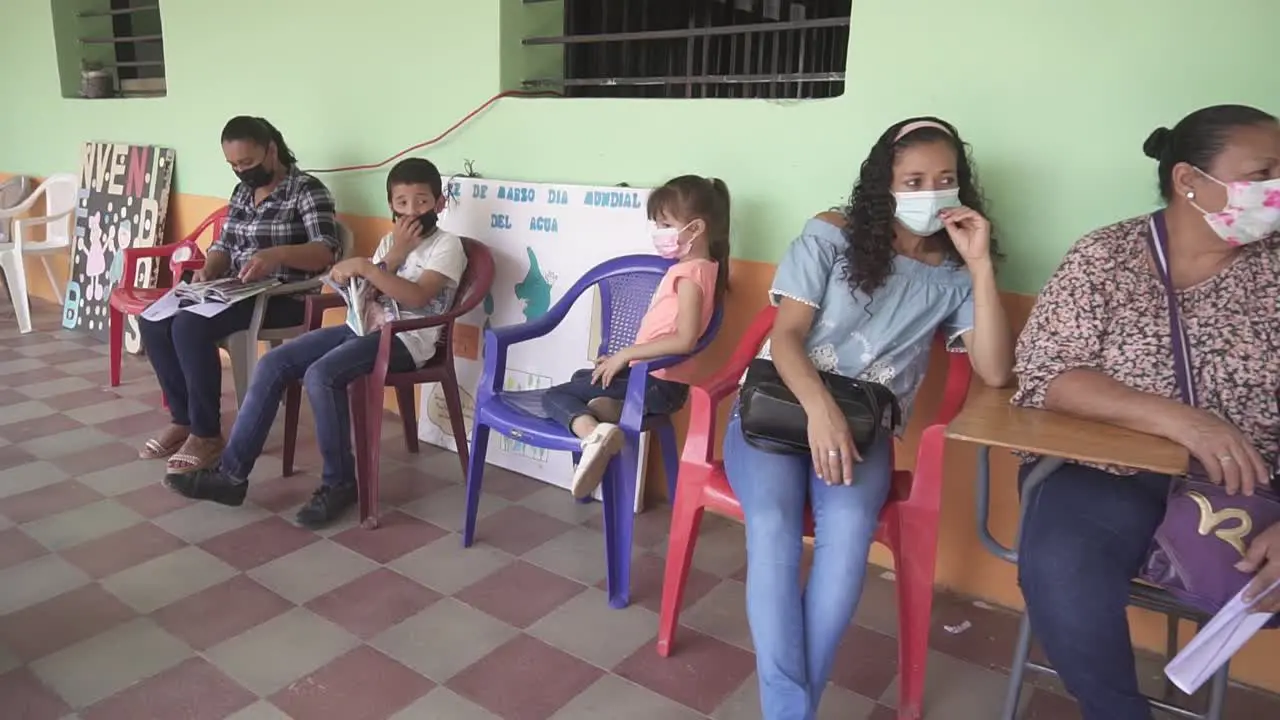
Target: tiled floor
pixel 121 600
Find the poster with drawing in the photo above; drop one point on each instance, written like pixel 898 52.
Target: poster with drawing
pixel 543 238
pixel 122 203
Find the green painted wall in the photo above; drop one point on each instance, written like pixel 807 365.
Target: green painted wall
pixel 1055 97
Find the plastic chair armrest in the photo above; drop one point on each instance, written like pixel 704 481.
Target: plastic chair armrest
pixel 316 305
pixel 133 255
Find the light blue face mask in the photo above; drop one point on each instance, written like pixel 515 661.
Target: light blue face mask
pixel 918 211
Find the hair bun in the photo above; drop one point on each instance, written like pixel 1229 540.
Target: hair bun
pixel 1157 143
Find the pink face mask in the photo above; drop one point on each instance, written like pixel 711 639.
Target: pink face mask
pixel 1251 214
pixel 668 244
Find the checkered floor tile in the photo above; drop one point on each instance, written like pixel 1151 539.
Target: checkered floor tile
pixel 122 601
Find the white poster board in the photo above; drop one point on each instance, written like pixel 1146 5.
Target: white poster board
pixel 543 238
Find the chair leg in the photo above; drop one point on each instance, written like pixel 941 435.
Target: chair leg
pixel 359 426
pixel 1170 650
pixel 453 401
pixel 292 408
pixel 243 350
pixel 53 283
pixel 475 477
pixel 1017 669
pixel 666 433
pixel 686 520
pixel 1218 692
pixel 372 439
pixel 619 492
pixel 115 328
pixel 409 417
pixel 15 274
pixel 915 556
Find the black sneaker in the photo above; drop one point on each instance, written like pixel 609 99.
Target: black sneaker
pixel 208 484
pixel 327 504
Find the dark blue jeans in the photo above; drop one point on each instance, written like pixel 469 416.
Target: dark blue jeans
pixel 565 402
pixel 327 361
pixel 1085 535
pixel 183 350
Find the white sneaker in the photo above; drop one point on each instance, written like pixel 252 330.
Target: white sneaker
pixel 597 449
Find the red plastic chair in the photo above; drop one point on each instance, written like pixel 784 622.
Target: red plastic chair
pixel 908 522
pixel 367 393
pixel 129 299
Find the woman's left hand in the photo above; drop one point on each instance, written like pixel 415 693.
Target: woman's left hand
pixel 969 231
pixel 607 368
pixel 1263 557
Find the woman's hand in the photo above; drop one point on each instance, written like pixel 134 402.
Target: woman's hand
pixel 970 233
pixel 831 444
pixel 1263 558
pixel 1226 454
pixel 262 264
pixel 342 272
pixel 607 367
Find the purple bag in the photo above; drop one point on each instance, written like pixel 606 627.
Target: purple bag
pixel 1205 531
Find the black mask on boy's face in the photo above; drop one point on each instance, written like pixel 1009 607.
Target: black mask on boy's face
pixel 255 177
pixel 427 221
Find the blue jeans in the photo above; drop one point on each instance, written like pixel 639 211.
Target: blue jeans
pixel 327 361
pixel 1085 535
pixel 183 351
pixel 796 634
pixel 569 400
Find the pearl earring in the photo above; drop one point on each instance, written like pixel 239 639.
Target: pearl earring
pixel 1191 195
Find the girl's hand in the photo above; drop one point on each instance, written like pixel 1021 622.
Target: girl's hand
pixel 1263 558
pixel 607 367
pixel 1226 454
pixel 832 446
pixel 969 231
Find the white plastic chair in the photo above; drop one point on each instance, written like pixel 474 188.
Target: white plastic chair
pixel 243 346
pixel 59 192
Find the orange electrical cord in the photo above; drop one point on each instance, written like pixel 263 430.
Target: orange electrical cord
pixel 443 135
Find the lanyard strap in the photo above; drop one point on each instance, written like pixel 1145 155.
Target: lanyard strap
pixel 1159 243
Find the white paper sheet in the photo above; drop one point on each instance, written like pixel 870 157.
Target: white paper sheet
pixel 1231 628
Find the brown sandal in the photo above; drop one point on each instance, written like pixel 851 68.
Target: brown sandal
pixel 195 454
pixel 156 449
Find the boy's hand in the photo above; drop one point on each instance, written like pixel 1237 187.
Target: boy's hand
pixel 407 232
pixel 342 272
pixel 608 367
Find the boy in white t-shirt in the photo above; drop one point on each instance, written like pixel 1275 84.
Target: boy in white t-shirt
pixel 414 273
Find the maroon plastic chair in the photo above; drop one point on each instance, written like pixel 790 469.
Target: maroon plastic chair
pixel 367 393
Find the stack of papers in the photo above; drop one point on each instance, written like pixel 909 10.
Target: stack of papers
pixel 206 298
pixel 364 311
pixel 227 291
pixel 1213 646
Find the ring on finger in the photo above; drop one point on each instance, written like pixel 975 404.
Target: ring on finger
pixel 1225 459
pixel 833 453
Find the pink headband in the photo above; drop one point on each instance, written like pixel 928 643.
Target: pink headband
pixel 917 125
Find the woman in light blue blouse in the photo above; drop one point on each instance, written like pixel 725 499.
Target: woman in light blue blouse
pixel 861 293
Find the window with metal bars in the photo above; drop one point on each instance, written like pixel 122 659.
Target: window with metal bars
pixel 125 38
pixel 699 48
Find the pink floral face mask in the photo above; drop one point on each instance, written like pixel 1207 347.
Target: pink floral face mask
pixel 1252 212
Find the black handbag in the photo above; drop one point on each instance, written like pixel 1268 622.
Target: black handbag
pixel 773 419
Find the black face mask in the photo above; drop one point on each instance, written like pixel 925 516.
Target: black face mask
pixel 255 177
pixel 427 221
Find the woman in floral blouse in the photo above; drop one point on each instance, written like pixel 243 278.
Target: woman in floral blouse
pixel 1098 345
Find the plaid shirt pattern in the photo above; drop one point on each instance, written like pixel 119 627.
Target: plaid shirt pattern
pixel 299 210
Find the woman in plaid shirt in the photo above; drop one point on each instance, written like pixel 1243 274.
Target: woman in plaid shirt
pixel 281 223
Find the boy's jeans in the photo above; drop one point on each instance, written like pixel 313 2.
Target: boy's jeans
pixel 327 361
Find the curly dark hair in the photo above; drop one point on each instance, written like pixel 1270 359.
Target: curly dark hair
pixel 869 216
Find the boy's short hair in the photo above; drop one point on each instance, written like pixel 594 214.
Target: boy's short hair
pixel 415 171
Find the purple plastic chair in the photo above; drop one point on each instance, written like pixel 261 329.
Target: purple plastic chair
pixel 626 287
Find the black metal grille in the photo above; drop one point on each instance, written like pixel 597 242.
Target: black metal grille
pixel 701 48
pixel 137 52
